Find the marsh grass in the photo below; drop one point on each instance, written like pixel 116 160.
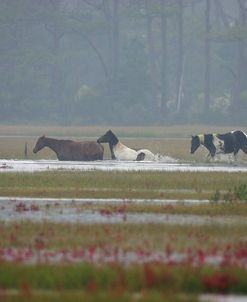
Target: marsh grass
pixel 115 280
pixel 98 184
pixel 181 131
pixel 149 237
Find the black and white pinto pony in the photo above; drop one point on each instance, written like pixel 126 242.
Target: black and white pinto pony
pixel 121 152
pixel 227 143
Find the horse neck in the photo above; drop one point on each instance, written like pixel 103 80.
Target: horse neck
pixel 112 152
pixel 53 144
pixel 113 141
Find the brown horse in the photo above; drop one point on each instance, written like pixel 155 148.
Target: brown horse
pixel 70 150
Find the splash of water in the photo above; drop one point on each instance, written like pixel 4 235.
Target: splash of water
pixel 165 158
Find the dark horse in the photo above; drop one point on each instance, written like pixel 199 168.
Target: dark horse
pixel 70 150
pixel 230 142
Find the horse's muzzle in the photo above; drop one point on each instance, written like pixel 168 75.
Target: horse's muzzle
pixel 34 150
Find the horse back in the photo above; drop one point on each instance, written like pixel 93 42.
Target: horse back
pixel 241 140
pixel 233 141
pixel 230 142
pixel 240 136
pixel 91 150
pixel 87 150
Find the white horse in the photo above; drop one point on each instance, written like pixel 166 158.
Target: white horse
pixel 121 152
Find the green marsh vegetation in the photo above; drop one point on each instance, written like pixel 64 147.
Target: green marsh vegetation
pixel 150 237
pixel 99 184
pixel 149 281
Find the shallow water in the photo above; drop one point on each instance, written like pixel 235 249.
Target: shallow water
pixel 6 201
pixel 110 165
pixel 222 298
pixel 67 211
pixel 93 217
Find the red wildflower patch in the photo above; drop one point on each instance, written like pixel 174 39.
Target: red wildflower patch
pixel 168 207
pixel 12 238
pixel 150 276
pixel 241 251
pixel 21 207
pixel 3 294
pixel 39 244
pixel 91 286
pixel 106 212
pixel 219 282
pixel 34 207
pixel 25 289
pixel 120 210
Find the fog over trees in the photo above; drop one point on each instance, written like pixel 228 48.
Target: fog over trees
pixel 123 62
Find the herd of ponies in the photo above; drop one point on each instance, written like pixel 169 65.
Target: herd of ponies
pixel 68 150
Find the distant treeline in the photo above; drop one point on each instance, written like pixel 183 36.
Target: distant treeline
pixel 123 62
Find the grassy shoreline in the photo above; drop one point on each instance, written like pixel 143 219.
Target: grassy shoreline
pixel 149 237
pixel 96 131
pixel 96 184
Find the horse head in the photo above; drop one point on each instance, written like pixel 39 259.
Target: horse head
pixel 40 144
pixel 108 137
pixel 195 143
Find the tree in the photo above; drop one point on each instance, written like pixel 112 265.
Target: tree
pixel 220 13
pixel 180 61
pixel 207 90
pixel 153 75
pixel 115 46
pixel 105 61
pixel 237 34
pixel 241 59
pixel 54 27
pixel 164 82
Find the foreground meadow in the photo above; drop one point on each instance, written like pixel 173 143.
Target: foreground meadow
pixel 78 261
pixel 130 262
pixel 99 184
